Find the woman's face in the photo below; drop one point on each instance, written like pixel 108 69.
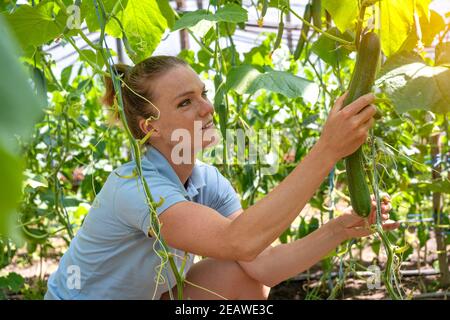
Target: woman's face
pixel 186 118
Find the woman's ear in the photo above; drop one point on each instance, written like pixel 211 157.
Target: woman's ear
pixel 146 126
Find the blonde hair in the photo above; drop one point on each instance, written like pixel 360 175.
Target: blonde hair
pixel 136 89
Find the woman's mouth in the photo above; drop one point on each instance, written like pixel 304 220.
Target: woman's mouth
pixel 208 125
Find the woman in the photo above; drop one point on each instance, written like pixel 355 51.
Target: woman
pixel 113 254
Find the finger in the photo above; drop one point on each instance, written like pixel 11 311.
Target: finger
pixel 339 103
pixel 386 208
pixel 363 132
pixel 373 216
pixel 366 114
pixel 359 232
pixel 359 104
pixel 386 198
pixel 390 225
pixel 368 124
pixel 351 220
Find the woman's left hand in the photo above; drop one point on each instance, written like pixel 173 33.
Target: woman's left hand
pixel 354 226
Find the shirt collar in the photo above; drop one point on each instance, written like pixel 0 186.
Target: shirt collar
pixel 162 165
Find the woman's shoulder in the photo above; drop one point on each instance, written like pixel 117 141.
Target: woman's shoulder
pixel 209 172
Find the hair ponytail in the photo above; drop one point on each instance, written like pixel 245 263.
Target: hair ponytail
pixel 121 70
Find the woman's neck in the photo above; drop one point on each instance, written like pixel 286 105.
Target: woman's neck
pixel 182 170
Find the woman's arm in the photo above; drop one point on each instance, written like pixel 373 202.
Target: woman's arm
pixel 195 228
pixel 281 262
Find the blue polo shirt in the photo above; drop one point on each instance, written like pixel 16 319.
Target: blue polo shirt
pixel 112 256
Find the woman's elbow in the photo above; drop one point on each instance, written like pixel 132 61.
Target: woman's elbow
pixel 241 252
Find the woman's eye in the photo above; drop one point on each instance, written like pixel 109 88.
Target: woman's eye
pixel 204 93
pixel 184 103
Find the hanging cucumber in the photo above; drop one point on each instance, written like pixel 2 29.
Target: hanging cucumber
pixel 279 37
pixel 361 84
pixel 303 33
pixel 316 9
pixel 265 4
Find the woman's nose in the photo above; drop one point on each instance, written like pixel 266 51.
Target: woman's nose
pixel 206 108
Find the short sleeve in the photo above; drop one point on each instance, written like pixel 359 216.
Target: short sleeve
pixel 226 201
pixel 130 204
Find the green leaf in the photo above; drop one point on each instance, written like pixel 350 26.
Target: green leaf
pixel 92 57
pixel 280 4
pixel 144 24
pixel 10 189
pixel 231 13
pixel 246 79
pixel 422 8
pixel 19 108
pixel 19 111
pixel 397 19
pixel 313 225
pixel 65 75
pixel 167 12
pixel 430 26
pixel 35 181
pixel 376 246
pixel 329 50
pixel 203 27
pixel 34 26
pixel 284 236
pixel 302 229
pixel 89 13
pixel 190 19
pixel 411 84
pixel 13 282
pixel 442 55
pixel 431 29
pixel 442 186
pixel 343 12
pixel 228 13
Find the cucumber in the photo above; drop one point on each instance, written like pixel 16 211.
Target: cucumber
pixel 317 13
pixel 303 33
pixel 361 84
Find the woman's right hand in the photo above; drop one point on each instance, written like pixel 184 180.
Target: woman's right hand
pixel 346 129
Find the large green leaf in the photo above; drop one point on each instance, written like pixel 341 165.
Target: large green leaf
pixel 190 19
pixel 412 84
pixel 34 26
pixel 246 79
pixel 19 111
pixel 144 24
pixel 231 13
pixel 167 12
pixel 228 13
pixel 430 26
pixel 431 29
pixel 343 12
pixel 397 19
